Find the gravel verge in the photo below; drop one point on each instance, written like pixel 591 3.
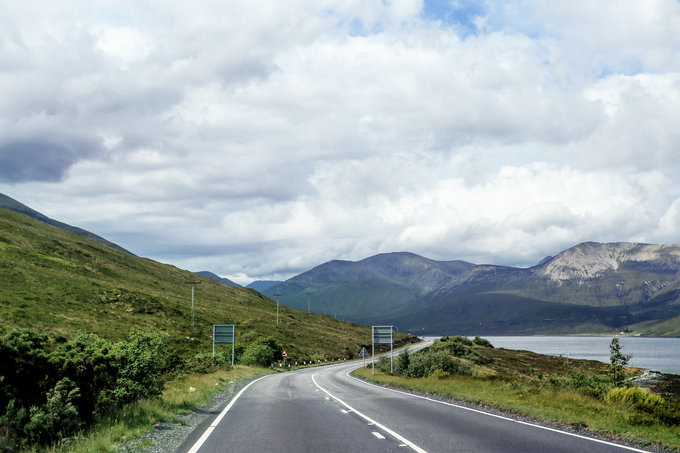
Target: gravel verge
pixel 168 436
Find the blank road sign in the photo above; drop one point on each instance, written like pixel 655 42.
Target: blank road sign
pixel 382 334
pixel 224 333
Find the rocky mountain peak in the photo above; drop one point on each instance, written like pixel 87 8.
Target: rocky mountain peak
pixel 592 260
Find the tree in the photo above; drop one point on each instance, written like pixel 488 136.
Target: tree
pixel 403 361
pixel 618 361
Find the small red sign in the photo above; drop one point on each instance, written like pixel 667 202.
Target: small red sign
pixel 284 354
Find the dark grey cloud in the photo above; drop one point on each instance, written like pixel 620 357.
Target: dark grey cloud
pixel 23 161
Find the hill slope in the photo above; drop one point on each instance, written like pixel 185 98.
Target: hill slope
pixel 224 281
pixel 61 283
pixel 11 204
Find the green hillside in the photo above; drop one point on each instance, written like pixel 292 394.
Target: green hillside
pixel 62 283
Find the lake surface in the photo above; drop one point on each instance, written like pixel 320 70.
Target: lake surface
pixel 657 354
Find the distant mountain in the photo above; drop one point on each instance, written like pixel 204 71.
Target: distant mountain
pixel 224 281
pixel 367 290
pixel 263 285
pixel 591 287
pixel 588 288
pixel 13 205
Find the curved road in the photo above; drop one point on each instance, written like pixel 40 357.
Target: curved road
pixel 325 410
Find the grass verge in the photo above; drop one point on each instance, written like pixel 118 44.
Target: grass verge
pixel 538 399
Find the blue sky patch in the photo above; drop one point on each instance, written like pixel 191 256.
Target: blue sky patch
pixel 458 13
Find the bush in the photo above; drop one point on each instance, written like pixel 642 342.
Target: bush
pixel 51 392
pixel 654 409
pixel 204 362
pixel 57 418
pixel 482 342
pixel 459 347
pixel 634 396
pixel 403 361
pixel 263 352
pixel 425 364
pixel 318 357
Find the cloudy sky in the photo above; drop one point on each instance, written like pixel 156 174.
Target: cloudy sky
pixel 258 139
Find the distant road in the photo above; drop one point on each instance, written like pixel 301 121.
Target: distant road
pixel 325 410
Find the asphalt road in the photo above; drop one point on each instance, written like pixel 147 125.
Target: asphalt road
pixel 325 410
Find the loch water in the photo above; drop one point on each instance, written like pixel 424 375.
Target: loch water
pixel 656 354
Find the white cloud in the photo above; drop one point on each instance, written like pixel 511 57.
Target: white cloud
pixel 263 138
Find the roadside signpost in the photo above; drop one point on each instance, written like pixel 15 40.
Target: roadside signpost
pixel 224 334
pixel 383 335
pixel 363 354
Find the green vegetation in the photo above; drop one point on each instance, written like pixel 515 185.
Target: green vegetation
pixel 50 391
pixel 62 284
pixel 88 332
pixel 262 352
pixel 576 393
pixel 181 396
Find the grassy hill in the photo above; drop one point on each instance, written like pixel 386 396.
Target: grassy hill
pixel 13 205
pixel 62 283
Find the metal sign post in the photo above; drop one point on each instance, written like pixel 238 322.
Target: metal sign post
pixel 383 335
pixel 363 353
pixel 224 334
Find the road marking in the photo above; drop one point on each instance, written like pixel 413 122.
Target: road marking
pixel 344 411
pixel 378 435
pixel 370 420
pixel 199 443
pixel 497 416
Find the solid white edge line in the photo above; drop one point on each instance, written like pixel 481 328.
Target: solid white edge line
pixel 199 443
pixel 370 420
pixel 566 433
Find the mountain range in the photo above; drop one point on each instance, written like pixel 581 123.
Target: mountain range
pixel 588 288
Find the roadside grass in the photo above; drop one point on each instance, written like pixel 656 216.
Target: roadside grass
pixel 541 399
pixel 139 418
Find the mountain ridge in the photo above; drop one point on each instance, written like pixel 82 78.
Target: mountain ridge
pixel 590 287
pixel 14 205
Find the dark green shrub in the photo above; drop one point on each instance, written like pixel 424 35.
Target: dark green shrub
pixel 403 361
pixel 52 392
pixel 482 342
pixel 57 418
pixel 464 340
pixel 263 352
pixel 459 347
pixel 383 364
pixel 423 365
pixel 26 368
pixel 140 362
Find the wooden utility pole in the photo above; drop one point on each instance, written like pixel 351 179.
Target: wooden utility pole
pixel 278 293
pixel 309 305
